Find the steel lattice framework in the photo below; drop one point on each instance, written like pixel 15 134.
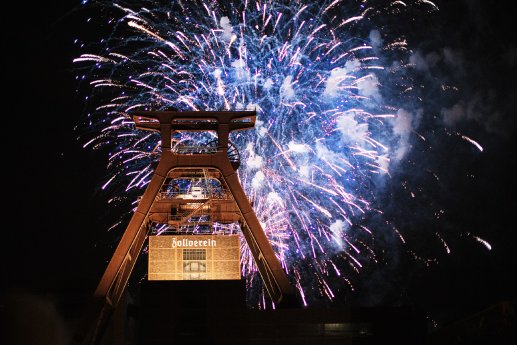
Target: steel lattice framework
pixel 217 161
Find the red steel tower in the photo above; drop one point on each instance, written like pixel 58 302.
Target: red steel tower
pixel 220 200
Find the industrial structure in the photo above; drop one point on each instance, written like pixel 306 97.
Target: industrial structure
pixel 196 200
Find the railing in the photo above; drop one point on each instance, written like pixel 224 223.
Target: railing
pixel 192 150
pixel 191 229
pixel 218 195
pixel 185 216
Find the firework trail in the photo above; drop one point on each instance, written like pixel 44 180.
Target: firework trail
pixel 325 135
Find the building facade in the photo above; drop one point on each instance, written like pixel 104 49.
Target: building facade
pixel 194 257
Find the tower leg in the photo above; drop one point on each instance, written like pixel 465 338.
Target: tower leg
pixel 274 277
pixel 115 277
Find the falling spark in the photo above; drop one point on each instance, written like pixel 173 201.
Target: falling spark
pixel 473 142
pixel 483 242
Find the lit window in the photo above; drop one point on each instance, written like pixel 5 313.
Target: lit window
pixel 194 264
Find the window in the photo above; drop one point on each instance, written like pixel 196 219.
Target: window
pixel 194 264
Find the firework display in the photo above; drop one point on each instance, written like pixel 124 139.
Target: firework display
pixel 331 125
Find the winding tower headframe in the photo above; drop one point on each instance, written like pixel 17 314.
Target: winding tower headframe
pixel 218 160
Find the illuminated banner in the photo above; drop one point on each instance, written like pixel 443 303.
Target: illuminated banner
pixel 194 257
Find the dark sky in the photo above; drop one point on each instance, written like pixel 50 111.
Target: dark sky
pixel 53 215
pixel 56 218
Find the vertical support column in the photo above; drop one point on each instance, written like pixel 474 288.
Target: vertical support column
pixel 223 133
pixel 165 131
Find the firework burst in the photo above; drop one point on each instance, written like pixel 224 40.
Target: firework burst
pixel 325 135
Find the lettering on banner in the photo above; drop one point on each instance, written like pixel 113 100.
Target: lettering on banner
pixel 184 242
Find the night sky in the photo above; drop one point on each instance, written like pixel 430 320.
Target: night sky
pixel 56 216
